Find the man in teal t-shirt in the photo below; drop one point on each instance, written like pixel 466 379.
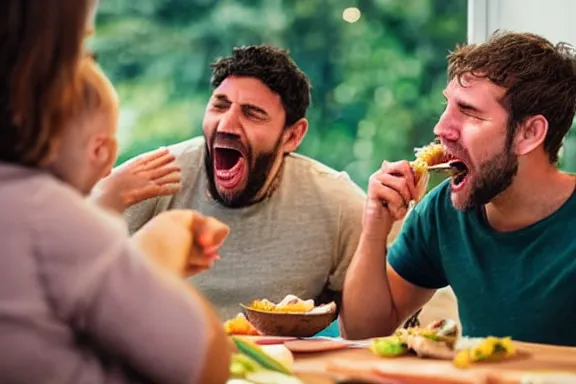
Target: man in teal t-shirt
pixel 501 231
pixel 520 283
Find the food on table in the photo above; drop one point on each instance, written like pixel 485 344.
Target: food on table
pixel 240 326
pixel 292 304
pixel 439 340
pixel 253 365
pixel 480 349
pixel 389 346
pixel 256 353
pixel 241 364
pixel 436 340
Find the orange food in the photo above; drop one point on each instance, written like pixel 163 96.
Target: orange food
pixel 290 303
pixel 240 326
pixel 429 155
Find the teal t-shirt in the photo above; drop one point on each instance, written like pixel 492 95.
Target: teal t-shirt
pixel 520 284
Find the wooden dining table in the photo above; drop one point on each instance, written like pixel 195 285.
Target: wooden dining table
pixel 534 363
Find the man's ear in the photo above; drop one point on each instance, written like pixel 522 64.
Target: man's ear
pixel 294 135
pixel 530 135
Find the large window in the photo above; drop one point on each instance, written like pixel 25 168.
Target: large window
pixel 377 68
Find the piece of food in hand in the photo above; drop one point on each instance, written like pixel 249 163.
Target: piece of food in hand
pixel 390 346
pixel 435 154
pixel 240 326
pixel 482 349
pixel 429 155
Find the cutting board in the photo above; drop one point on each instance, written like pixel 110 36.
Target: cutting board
pixel 533 360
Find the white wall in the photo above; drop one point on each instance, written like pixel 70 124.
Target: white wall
pixel 553 19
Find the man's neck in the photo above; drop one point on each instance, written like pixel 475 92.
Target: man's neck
pixel 533 196
pixel 273 181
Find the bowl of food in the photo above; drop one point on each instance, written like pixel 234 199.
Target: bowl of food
pixel 292 316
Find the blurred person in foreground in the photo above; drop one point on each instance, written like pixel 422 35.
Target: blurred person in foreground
pixel 500 232
pixel 81 301
pixel 294 222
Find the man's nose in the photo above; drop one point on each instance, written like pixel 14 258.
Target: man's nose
pixel 230 122
pixel 447 127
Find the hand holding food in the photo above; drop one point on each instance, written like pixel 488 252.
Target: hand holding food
pixel 427 156
pixel 182 241
pixel 396 185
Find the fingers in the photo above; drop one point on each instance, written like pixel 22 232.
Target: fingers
pixel 210 233
pixel 396 184
pixel 204 235
pixel 150 156
pixel 148 192
pixel 173 177
pixel 392 200
pixel 192 270
pixel 163 171
pixel 404 170
pixel 393 186
pixel 167 189
pixel 156 160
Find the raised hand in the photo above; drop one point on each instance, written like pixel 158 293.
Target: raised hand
pixel 390 191
pixel 150 175
pixel 183 242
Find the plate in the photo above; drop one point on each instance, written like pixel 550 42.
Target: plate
pixel 315 345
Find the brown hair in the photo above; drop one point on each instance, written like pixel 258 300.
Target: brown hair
pixel 540 79
pixel 41 42
pixel 98 95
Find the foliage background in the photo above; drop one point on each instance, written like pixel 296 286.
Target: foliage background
pixel 376 82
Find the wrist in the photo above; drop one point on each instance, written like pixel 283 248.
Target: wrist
pixel 376 232
pixel 106 199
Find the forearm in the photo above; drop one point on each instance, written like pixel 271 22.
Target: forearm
pixel 367 308
pixel 216 368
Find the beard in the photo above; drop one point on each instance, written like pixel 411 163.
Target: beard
pixel 259 167
pixel 493 177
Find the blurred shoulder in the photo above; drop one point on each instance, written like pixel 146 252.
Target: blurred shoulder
pixel 187 148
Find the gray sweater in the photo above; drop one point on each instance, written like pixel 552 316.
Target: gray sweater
pixel 77 302
pixel 298 241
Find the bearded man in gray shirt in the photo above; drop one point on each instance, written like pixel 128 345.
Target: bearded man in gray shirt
pixel 294 222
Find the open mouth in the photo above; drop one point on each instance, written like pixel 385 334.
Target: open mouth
pixel 229 166
pixel 459 171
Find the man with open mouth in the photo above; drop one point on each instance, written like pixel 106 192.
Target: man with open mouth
pixel 500 230
pixel 294 223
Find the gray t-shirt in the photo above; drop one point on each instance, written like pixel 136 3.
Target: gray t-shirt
pixel 78 304
pixel 298 241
